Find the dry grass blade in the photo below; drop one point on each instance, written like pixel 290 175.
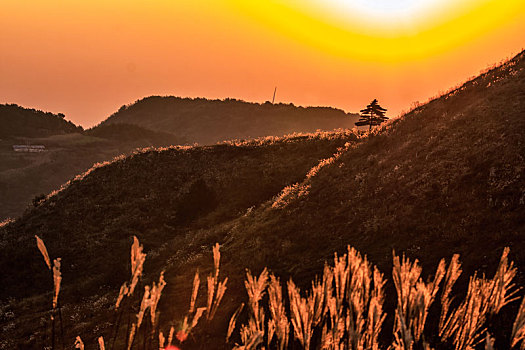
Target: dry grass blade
pixel 427 294
pixel 170 335
pixel 252 334
pixel 376 315
pixel 137 264
pixel 57 280
pixel 489 342
pixel 162 340
pixel 101 344
pixel 357 297
pixel 216 258
pixel 155 294
pixel 221 289
pixel 197 316
pixel 414 300
pixel 124 289
pixel 405 275
pixel 195 291
pixel 150 300
pixel 211 293
pixel 518 328
pixel 233 321
pixel 255 287
pixel 466 325
pixel 340 275
pixel 216 289
pixel 453 273
pixel 131 336
pixel 279 321
pixel 503 290
pixel 251 340
pixel 364 299
pixel 79 344
pixel 42 247
pixel 127 289
pixel 145 303
pixel 302 315
pixel 184 332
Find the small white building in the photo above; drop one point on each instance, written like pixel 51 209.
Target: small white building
pixel 29 148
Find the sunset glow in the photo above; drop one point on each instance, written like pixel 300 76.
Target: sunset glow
pixel 85 59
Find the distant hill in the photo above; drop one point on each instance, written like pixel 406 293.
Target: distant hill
pixel 448 177
pixel 209 121
pixel 22 122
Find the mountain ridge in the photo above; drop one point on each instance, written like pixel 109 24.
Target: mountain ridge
pixel 209 121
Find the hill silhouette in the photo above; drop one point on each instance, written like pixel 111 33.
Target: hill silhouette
pixel 448 177
pixel 209 121
pixel 17 121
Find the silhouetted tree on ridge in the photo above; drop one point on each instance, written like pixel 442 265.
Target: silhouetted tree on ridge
pixel 372 115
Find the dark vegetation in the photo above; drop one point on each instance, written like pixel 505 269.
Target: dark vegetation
pixel 23 122
pixel 372 115
pixel 128 133
pixel 210 121
pixel 448 177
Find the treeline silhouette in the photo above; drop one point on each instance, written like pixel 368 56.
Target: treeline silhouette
pixel 16 121
pixel 209 121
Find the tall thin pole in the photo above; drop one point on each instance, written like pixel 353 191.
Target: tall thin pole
pixel 274 91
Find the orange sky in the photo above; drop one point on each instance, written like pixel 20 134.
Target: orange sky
pixel 87 58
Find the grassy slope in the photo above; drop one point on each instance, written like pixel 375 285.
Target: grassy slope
pixel 209 121
pixel 169 199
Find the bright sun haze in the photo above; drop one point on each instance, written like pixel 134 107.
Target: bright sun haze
pixel 86 58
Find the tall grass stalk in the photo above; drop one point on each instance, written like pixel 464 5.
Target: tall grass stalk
pixel 252 333
pixel 127 289
pixel 518 328
pixel 414 298
pixel 466 326
pixel 57 280
pixel 215 293
pixel 278 323
pixel 216 288
pixel 150 300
